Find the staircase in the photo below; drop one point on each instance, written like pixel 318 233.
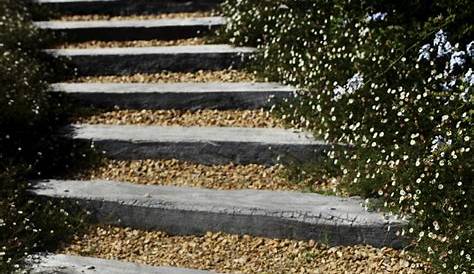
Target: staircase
pixel 186 210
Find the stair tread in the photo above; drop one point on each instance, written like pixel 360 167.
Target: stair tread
pixel 66 264
pixel 131 60
pixel 304 207
pixel 171 87
pixel 203 21
pixel 91 1
pixel 193 134
pixel 204 145
pixel 185 210
pixel 188 49
pixel 210 95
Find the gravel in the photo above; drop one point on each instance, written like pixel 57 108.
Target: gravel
pixel 242 254
pixel 201 76
pixel 188 118
pixel 134 43
pixel 180 173
pixel 95 17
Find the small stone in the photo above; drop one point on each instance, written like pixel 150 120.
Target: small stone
pixel 134 43
pixel 223 118
pixel 100 17
pixel 180 173
pixel 173 77
pixel 227 253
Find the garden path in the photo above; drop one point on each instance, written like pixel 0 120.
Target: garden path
pixel 172 103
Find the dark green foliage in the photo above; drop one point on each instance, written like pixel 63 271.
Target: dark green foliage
pixel 30 146
pixel 16 30
pixel 363 81
pixel 27 224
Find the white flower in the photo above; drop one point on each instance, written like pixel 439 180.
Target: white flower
pixel 437 142
pixel 441 41
pixel 457 60
pixel 379 16
pixel 353 84
pixel 440 38
pixel 436 225
pixel 470 49
pixel 424 53
pixel 339 92
pixel 469 77
pixel 449 85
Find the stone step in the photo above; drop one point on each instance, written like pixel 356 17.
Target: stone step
pixel 194 211
pixel 67 264
pixel 204 145
pixel 216 95
pixel 124 61
pixel 126 7
pixel 124 30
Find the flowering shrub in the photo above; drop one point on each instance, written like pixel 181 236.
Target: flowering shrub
pixel 28 120
pixel 393 79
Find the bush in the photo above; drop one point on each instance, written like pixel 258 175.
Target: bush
pixel 381 76
pixel 29 119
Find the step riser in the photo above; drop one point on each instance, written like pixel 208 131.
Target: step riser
pixel 177 222
pixel 205 145
pixel 183 101
pixel 153 63
pixel 194 211
pixel 125 30
pixel 129 34
pixel 214 153
pixel 127 7
pixel 214 95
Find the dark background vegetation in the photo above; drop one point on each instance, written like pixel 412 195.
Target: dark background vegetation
pixel 30 147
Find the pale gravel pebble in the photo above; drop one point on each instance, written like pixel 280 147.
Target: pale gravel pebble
pixel 180 173
pixel 134 43
pixel 238 254
pixel 186 118
pixel 177 15
pixel 200 76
